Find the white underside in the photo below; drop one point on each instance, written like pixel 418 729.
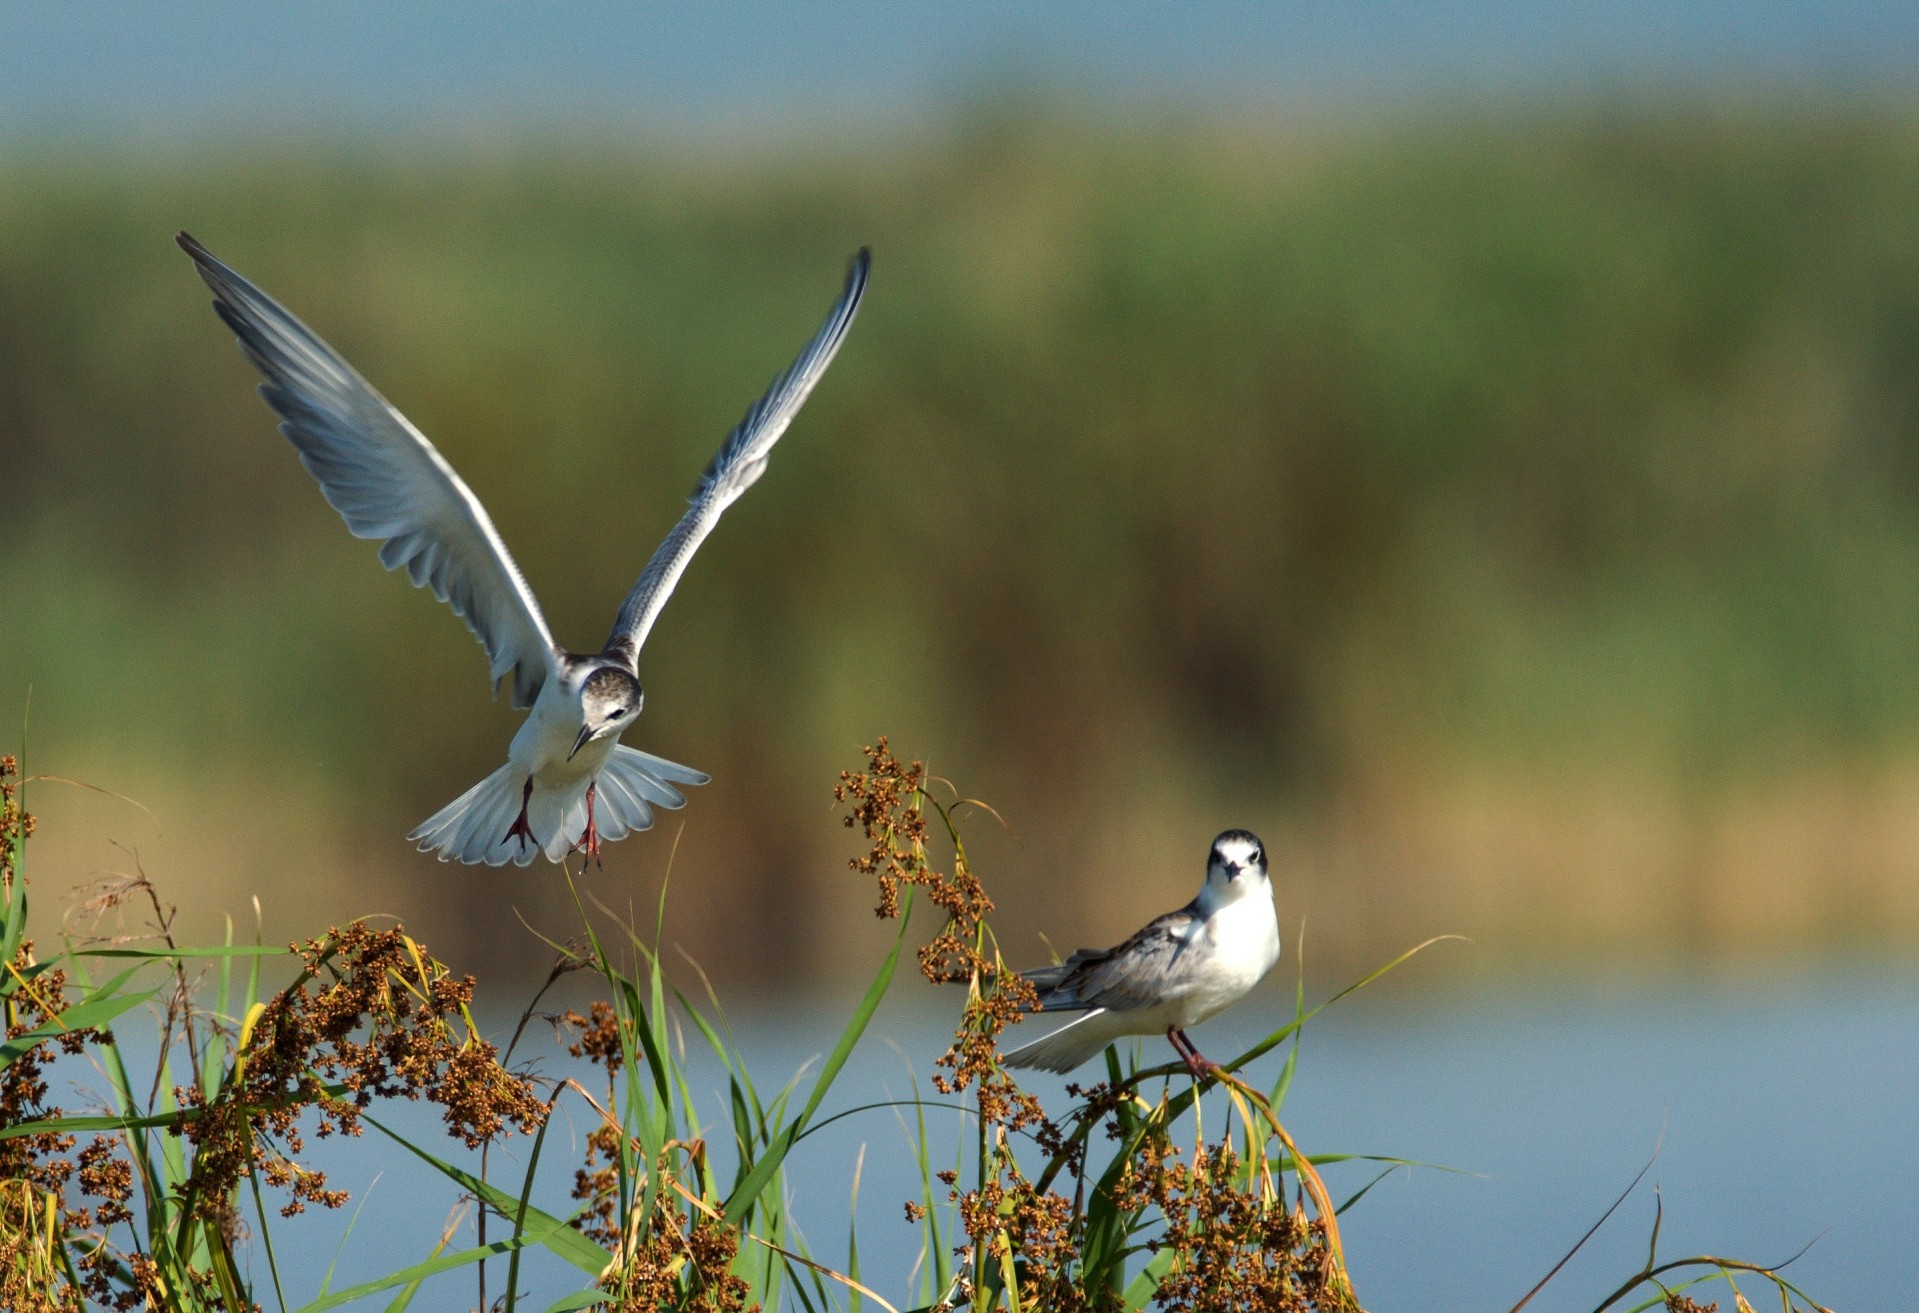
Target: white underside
pixel 630 784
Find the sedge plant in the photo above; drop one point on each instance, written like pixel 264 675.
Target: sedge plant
pixel 181 1193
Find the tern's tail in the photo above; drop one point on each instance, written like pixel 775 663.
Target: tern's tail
pixel 1070 1045
pixel 473 827
pixel 477 827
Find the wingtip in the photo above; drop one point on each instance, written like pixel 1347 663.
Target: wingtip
pixel 204 261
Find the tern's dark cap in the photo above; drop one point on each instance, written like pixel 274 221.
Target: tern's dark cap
pixel 1239 841
pixel 609 682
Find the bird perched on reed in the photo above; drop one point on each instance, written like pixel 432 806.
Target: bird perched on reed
pixel 568 782
pixel 1183 968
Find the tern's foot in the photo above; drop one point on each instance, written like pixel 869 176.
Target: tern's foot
pixel 520 829
pixel 590 841
pixel 1200 1067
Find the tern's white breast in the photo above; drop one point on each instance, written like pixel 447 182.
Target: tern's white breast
pixel 1242 943
pixel 549 733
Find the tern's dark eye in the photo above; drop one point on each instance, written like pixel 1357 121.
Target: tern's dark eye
pixel 618 712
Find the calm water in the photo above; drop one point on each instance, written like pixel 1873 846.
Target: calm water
pixel 1787 1110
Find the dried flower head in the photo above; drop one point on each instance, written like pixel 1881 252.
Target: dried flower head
pixel 1234 1242
pixel 677 1255
pixel 888 801
pixel 371 1016
pixel 884 801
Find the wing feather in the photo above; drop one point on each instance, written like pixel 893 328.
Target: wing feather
pixel 740 460
pixel 1136 974
pixel 386 480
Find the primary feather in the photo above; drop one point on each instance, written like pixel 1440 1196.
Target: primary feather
pixel 740 460
pixel 385 479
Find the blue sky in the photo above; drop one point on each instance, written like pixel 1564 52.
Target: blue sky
pixel 127 71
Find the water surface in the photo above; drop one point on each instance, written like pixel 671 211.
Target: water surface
pixel 1781 1113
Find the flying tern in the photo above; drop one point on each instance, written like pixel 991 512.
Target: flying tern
pixel 568 782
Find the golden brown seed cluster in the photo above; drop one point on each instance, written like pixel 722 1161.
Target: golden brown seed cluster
pixel 15 825
pixel 888 801
pixel 371 1016
pixel 680 1257
pixel 1235 1243
pixel 596 1038
pixel 35 1170
pixel 596 1183
pixel 884 801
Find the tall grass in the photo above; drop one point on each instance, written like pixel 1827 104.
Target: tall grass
pixel 1126 1201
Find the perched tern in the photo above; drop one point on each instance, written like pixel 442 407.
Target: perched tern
pixel 1181 969
pixel 568 783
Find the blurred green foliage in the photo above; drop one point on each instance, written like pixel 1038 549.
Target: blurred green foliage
pixel 1175 475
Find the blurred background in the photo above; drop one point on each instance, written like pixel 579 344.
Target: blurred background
pixel 1474 445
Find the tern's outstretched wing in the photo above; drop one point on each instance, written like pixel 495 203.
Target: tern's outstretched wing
pixel 740 461
pixel 385 478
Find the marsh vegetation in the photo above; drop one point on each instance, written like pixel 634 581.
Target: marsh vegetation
pixel 177 1194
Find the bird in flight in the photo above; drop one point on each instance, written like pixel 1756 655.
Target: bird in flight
pixel 1181 969
pixel 568 782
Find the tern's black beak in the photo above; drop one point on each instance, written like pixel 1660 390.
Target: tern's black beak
pixel 586 732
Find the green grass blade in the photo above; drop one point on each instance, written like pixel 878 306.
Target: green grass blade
pixel 163 953
pixel 1361 1193
pixel 1277 1095
pixel 412 1288
pixel 266 1235
pixel 13 928
pixel 936 1277
pixel 853 1301
pixel 813 1128
pixel 353 1223
pixel 584 1299
pixel 1142 1288
pixel 748 1190
pixel 519 1216
pixel 432 1267
pixel 1266 1045
pixel 81 1125
pixel 560 1238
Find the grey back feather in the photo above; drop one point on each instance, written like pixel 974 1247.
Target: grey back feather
pixel 1133 975
pixel 740 460
pixel 386 480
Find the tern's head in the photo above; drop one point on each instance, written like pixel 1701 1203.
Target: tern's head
pixel 610 699
pixel 1236 868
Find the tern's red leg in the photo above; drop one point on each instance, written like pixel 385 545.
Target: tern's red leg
pixel 1189 1054
pixel 520 829
pixel 590 841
